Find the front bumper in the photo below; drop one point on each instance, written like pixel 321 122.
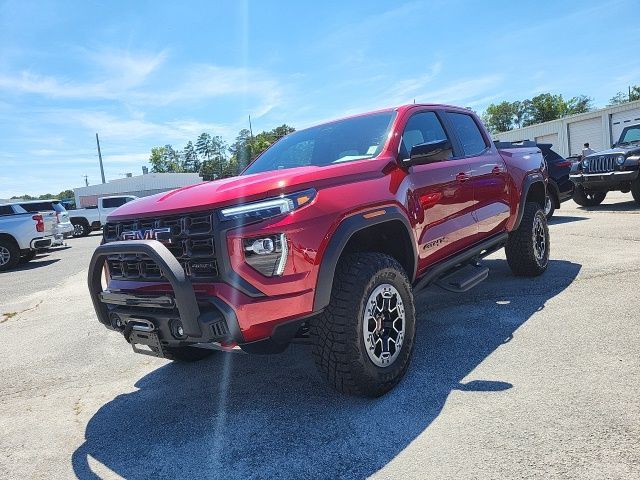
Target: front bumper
pixel 603 180
pixel 212 321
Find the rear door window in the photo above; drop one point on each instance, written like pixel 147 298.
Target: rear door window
pixel 468 133
pixel 37 207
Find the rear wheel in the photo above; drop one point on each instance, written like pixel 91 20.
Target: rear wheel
pixel 527 248
pixel 80 228
pixel 9 254
pixel 635 190
pixel 188 354
pixel 549 206
pixel 588 199
pixel 362 342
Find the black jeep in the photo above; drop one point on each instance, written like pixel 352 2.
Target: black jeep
pixel 615 169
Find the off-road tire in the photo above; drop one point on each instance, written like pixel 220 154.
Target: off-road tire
pixel 187 354
pixel 10 254
pixel 338 342
pixel 27 257
pixel 521 248
pixel 635 190
pixel 80 228
pixel 550 205
pixel 588 199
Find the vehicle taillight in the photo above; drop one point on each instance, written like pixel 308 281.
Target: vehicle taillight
pixel 563 164
pixel 57 217
pixel 39 223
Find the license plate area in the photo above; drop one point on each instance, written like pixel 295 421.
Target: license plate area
pixel 144 339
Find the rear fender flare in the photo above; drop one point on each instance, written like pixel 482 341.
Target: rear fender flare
pixel 529 181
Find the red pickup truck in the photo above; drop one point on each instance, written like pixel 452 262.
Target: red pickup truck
pixel 324 239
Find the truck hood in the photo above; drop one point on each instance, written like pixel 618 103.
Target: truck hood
pixel 621 150
pixel 246 188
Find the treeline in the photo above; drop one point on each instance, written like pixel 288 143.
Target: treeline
pixel 212 157
pixel 65 194
pixel 504 116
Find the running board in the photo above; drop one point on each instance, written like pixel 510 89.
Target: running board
pixel 474 253
pixel 463 279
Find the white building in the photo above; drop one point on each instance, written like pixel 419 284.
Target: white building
pixel 141 186
pixel 599 128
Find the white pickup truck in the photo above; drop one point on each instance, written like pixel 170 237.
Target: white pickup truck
pixel 85 220
pixel 22 234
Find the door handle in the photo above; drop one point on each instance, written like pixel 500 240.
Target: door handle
pixel 496 170
pixel 462 177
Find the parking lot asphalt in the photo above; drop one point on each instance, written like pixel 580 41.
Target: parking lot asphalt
pixel 519 378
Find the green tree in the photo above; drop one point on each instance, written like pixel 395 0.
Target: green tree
pixel 66 194
pixel 624 97
pixel 579 104
pixel 190 160
pixel 499 117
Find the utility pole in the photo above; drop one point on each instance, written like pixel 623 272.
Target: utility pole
pixel 100 157
pixel 250 129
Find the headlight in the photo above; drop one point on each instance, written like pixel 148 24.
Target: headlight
pixel 620 160
pixel 585 163
pixel 268 208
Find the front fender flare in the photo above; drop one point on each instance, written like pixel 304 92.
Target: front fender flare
pixel 341 236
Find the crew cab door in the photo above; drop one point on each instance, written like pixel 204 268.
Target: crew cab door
pixel 488 173
pixel 440 193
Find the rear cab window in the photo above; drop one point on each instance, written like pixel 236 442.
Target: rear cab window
pixel 468 133
pixel 115 202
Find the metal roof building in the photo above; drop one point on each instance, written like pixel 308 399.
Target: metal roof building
pixel 141 186
pixel 600 128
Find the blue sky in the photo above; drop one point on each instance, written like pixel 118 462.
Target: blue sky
pixel 149 73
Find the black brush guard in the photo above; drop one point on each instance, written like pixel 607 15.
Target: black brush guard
pixel 199 326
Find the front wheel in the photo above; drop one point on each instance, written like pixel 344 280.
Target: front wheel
pixel 527 248
pixel 588 199
pixel 362 342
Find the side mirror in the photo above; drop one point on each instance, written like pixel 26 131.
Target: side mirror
pixel 429 152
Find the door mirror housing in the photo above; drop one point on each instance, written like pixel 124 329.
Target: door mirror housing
pixel 429 152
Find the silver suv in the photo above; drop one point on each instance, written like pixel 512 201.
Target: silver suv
pixel 64 228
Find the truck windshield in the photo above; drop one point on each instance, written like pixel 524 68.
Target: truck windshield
pixel 630 135
pixel 329 144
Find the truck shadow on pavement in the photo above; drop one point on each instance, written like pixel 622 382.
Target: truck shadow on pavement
pixel 242 416
pixel 629 206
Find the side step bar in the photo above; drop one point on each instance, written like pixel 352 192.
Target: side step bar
pixel 480 250
pixel 463 279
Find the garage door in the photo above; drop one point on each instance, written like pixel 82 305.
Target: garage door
pixel 585 131
pixel 551 138
pixel 621 120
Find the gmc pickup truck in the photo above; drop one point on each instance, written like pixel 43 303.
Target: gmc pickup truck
pixel 22 234
pixel 85 220
pixel 324 239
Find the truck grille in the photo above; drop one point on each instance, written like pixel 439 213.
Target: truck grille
pixel 601 164
pixel 188 237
